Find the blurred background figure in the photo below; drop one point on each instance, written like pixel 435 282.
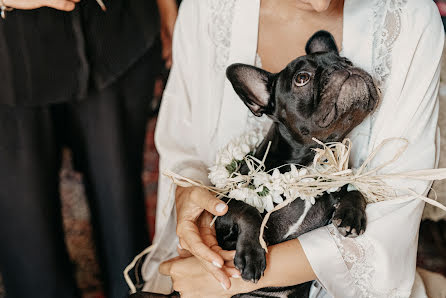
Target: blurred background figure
pixel 442 8
pixel 75 76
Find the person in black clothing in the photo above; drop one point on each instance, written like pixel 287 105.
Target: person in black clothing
pixel 73 75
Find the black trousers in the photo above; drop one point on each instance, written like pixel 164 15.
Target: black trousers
pixel 106 134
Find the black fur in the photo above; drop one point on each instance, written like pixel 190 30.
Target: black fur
pixel 336 97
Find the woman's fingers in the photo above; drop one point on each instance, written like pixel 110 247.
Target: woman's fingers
pixel 177 267
pixel 232 272
pixel 190 239
pixel 227 255
pixel 218 273
pixel 207 201
pixel 166 267
pixel 64 5
pixel 183 253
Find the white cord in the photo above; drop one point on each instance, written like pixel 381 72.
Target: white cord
pixel 130 266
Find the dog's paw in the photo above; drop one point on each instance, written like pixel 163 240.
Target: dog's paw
pixel 251 262
pixel 350 221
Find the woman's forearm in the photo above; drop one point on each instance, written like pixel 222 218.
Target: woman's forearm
pixel 287 265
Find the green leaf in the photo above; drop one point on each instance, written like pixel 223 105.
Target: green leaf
pixel 232 167
pixel 264 192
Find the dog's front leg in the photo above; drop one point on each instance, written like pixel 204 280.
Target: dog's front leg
pixel 239 229
pixel 349 216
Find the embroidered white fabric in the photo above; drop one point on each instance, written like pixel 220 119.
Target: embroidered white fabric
pixel 358 254
pixel 220 28
pixel 387 26
pixel 359 257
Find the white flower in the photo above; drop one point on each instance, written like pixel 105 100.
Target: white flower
pixel 253 140
pixel 218 176
pixel 351 187
pixel 238 194
pixel 294 172
pixel 245 148
pixel 238 153
pixel 333 189
pixel 292 193
pixel 249 196
pixel 261 178
pixel 277 197
pixel 269 205
pixel 276 174
pixel 225 158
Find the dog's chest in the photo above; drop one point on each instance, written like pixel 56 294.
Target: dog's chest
pixel 299 217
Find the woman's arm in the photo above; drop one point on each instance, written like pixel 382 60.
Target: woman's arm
pixel 287 265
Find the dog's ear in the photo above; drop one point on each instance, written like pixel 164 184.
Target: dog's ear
pixel 321 41
pixel 253 86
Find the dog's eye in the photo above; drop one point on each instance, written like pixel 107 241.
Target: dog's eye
pixel 302 78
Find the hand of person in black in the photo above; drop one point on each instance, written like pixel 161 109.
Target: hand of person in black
pixel 168 10
pixel 65 5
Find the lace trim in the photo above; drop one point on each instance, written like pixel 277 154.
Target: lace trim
pixel 220 30
pixel 387 22
pixel 359 257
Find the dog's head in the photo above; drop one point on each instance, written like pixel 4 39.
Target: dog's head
pixel 319 95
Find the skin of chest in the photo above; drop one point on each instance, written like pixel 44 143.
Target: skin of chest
pixel 284 30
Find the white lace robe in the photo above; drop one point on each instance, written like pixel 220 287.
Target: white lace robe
pixel 398 41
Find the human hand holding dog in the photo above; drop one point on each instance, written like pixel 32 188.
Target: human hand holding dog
pixel 65 5
pixel 287 265
pixel 195 207
pixel 191 279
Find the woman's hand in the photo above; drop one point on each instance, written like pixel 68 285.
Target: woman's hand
pixel 65 5
pixel 195 207
pixel 192 280
pixel 168 11
pixel 287 265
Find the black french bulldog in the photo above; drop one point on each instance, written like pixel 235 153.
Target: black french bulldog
pixel 319 95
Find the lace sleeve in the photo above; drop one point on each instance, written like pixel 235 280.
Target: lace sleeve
pixel 387 26
pixel 361 261
pixel 220 29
